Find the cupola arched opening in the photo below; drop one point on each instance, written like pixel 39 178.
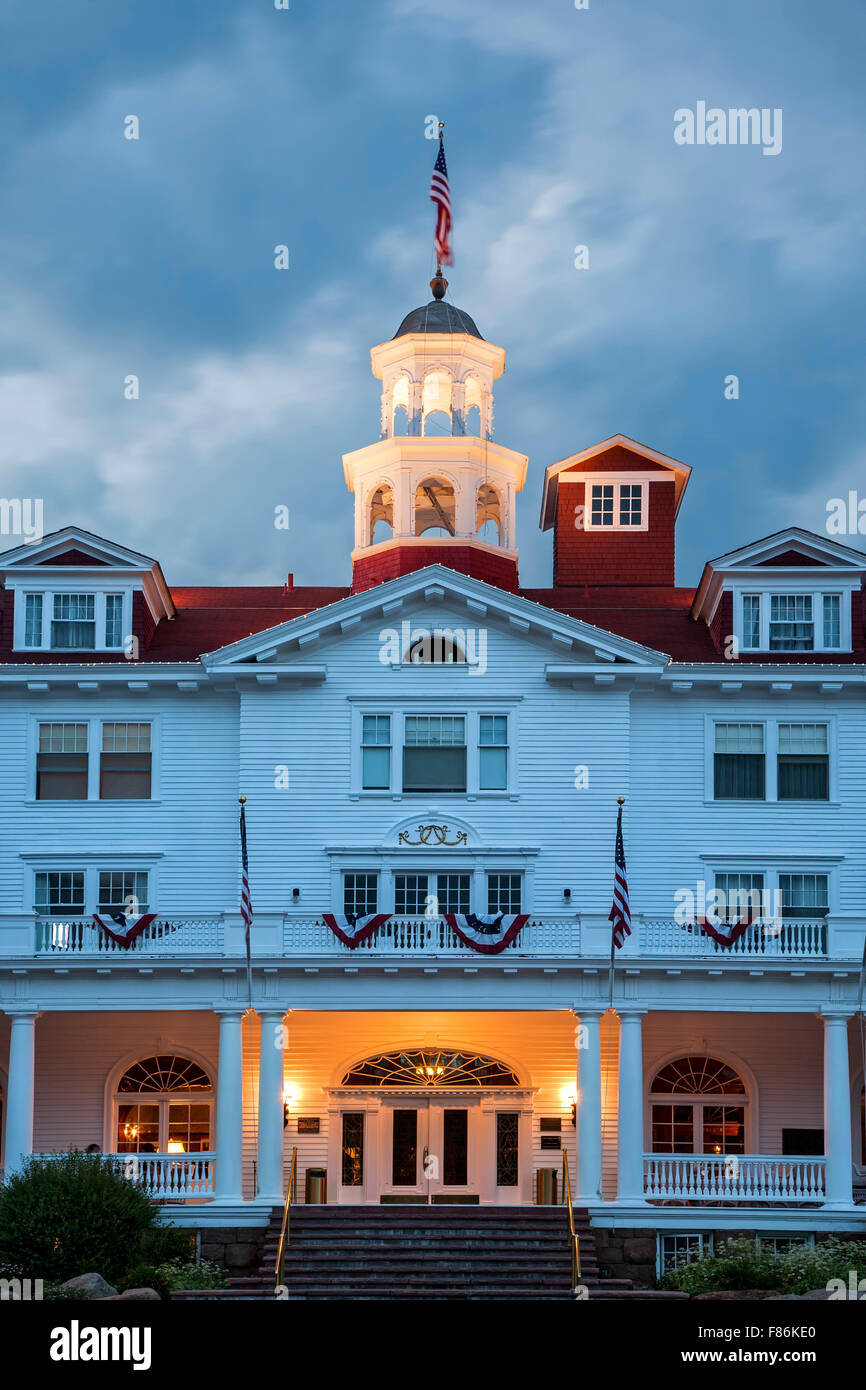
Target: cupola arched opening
pixel 472 406
pixel 488 515
pixel 434 508
pixel 436 404
pixel 400 406
pixel 381 518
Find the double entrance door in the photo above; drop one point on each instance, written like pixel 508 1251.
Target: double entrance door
pixel 431 1150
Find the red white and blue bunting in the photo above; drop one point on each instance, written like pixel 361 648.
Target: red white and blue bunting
pixel 353 930
pixel 490 933
pixel 723 933
pixel 123 928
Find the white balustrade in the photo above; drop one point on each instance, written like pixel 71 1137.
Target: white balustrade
pixel 746 1178
pixel 663 936
pixel 175 936
pixel 429 936
pixel 165 1177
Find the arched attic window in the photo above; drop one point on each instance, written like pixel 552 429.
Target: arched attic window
pixel 381 514
pixel 434 508
pixel 488 515
pixel 436 404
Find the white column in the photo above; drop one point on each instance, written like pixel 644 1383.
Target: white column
pixel 229 1116
pixel 588 1044
pixel 22 1088
pixel 837 1110
pixel 269 1166
pixel 630 1113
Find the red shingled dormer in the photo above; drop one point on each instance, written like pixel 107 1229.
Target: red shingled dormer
pixel 613 511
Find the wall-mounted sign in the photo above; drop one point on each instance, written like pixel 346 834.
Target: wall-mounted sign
pixel 551 1124
pixel 308 1124
pixel 551 1141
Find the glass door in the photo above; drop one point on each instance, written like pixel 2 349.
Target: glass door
pixel 405 1153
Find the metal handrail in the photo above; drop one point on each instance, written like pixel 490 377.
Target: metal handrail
pixel 291 1196
pixel 573 1237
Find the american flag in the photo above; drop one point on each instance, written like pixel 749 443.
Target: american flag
pixel 440 194
pixel 246 905
pixel 619 912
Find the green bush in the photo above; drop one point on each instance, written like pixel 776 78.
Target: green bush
pixel 739 1264
pixel 189 1275
pixel 71 1215
pixel 145 1276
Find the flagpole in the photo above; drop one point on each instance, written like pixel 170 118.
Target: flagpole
pixel 442 147
pixel 620 801
pixel 242 800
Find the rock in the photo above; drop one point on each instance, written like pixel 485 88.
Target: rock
pixel 813 1296
pixel 134 1296
pixel 734 1295
pixel 89 1286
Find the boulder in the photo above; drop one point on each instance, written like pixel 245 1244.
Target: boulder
pixel 813 1296
pixel 134 1296
pixel 89 1286
pixel 734 1295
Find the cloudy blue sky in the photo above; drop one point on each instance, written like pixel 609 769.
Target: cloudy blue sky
pixel 306 127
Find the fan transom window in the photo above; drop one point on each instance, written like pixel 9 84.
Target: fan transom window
pixel 698 1076
pixel 165 1073
pixel 430 1067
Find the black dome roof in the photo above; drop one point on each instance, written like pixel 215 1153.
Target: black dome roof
pixel 438 317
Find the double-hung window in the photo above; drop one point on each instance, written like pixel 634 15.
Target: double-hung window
pixel 503 892
pixel 739 762
pixel 122 890
pixel 493 752
pixel 60 891
pixel 62 762
pixel 124 765
pixel 739 895
pixel 360 893
pixel 434 753
pixel 803 762
pixel 804 895
pixel 792 627
pixel 376 752
pixel 73 624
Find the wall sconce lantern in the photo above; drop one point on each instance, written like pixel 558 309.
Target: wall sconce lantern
pixel 573 1102
pixel 566 896
pixel 296 895
pixel 288 1097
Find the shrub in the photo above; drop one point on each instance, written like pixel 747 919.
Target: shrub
pixel 739 1264
pixel 144 1276
pixel 69 1215
pixel 189 1275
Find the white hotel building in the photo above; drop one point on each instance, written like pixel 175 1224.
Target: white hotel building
pixel 725 1088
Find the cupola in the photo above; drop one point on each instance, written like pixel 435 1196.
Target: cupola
pixel 435 488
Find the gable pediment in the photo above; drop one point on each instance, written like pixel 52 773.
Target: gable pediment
pixel 436 600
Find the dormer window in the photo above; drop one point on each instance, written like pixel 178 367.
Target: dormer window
pixel 618 506
pixel 75 622
pixel 794 622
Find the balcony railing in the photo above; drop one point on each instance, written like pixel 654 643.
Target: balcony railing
pixel 429 936
pixel 166 1177
pixel 746 1178
pixel 662 936
pixel 195 936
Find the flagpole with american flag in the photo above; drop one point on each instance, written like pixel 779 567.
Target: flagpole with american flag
pixel 246 902
pixel 620 913
pixel 440 194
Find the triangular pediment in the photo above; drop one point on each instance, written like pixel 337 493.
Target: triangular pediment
pixel 74 547
pixel 437 599
pixel 617 446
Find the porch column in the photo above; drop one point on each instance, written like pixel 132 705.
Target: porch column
pixel 587 1037
pixel 270 1137
pixel 22 1077
pixel 229 1107
pixel 630 1119
pixel 837 1110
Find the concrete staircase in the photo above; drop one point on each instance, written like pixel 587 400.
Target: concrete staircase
pixel 375 1253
